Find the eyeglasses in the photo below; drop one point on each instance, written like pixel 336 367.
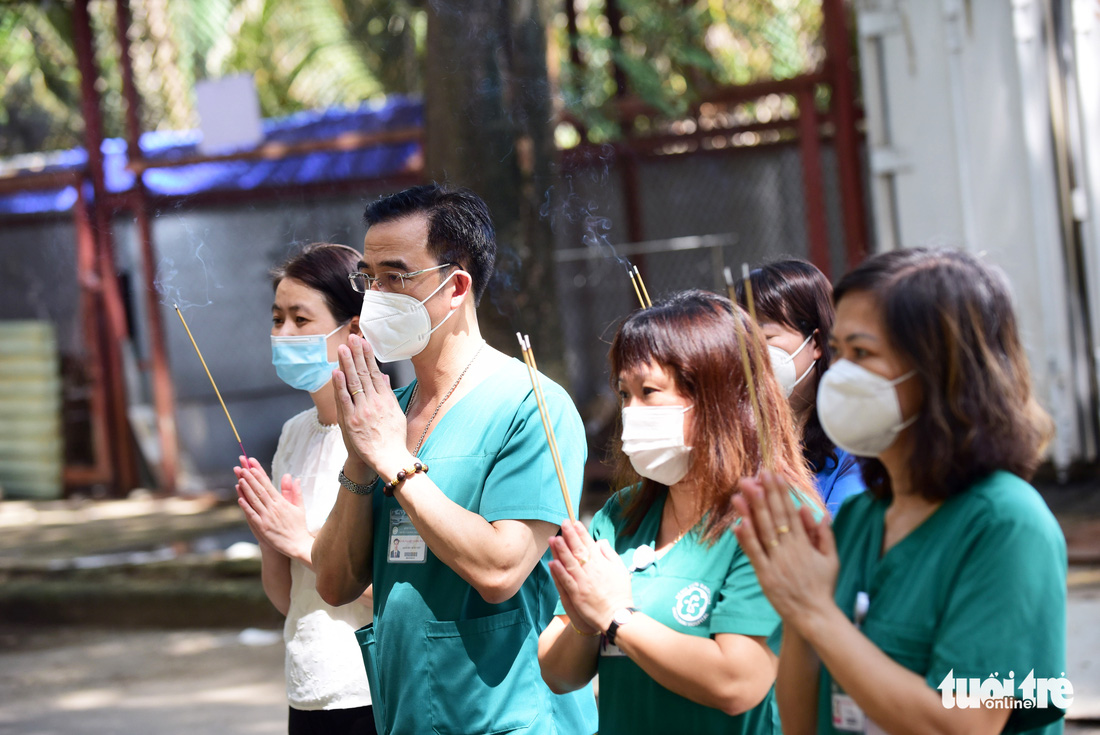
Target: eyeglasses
pixel 387 280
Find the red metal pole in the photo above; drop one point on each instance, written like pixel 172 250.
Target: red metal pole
pixel 129 90
pixel 110 296
pixel 163 393
pixel 627 161
pixel 90 313
pixel 575 56
pixel 838 50
pixel 574 34
pixel 813 182
pixel 614 16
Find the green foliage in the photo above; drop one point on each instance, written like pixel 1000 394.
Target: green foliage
pixel 303 54
pixel 41 84
pixel 318 53
pixel 675 53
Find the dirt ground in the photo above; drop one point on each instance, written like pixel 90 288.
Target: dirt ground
pixel 86 659
pixel 81 681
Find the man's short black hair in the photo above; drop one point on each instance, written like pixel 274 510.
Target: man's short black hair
pixel 460 229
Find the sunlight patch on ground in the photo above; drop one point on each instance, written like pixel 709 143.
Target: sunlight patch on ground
pixel 88 699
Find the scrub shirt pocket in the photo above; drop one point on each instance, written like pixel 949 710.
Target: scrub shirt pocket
pixel 909 645
pixel 365 636
pixel 482 674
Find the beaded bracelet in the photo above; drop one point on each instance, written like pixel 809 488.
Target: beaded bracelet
pixel 404 475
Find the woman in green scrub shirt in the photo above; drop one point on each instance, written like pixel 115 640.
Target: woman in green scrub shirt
pixel 659 600
pixel 937 603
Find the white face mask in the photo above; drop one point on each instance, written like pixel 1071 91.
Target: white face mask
pixel 653 439
pixel 859 410
pixel 396 325
pixel 784 369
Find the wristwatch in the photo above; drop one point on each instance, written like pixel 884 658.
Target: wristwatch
pixel 618 620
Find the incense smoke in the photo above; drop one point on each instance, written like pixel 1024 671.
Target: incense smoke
pixel 167 284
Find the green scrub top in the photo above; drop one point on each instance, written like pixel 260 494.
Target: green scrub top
pixel 978 589
pixel 440 658
pixel 697 589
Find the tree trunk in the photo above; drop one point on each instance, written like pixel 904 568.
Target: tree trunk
pixel 488 117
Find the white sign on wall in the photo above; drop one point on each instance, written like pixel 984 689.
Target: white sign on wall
pixel 229 114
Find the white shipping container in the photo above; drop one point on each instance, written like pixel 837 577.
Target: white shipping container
pixel 983 126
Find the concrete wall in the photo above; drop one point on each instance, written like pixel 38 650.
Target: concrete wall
pixel 214 261
pixel 38 279
pixel 752 196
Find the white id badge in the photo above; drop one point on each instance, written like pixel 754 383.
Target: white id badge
pixel 847 716
pixel 405 544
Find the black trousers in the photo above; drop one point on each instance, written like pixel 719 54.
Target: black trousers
pixel 353 721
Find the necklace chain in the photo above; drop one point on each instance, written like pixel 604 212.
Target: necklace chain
pixel 675 517
pixel 416 389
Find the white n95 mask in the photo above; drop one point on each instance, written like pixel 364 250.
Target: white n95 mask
pixel 653 439
pixel 396 325
pixel 784 369
pixel 859 410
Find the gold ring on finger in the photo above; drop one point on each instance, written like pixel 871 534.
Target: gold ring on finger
pixel 354 392
pixel 773 543
pixel 583 560
pixel 783 529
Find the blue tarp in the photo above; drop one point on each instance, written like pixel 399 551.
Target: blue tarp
pixel 313 168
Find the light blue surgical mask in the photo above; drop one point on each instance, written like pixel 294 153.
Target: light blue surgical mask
pixel 302 361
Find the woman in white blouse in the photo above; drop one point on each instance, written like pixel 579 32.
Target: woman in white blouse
pixel 315 310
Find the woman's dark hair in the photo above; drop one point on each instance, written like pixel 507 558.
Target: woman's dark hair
pixel 951 317
pixel 460 228
pixel 324 267
pixel 796 295
pixel 696 336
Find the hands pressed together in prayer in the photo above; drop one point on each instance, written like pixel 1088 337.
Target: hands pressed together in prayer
pixel 591 578
pixel 371 420
pixel 793 554
pixel 374 431
pixel 276 519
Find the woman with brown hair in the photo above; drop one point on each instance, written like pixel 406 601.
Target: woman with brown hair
pixel 937 603
pixel 794 305
pixel 659 599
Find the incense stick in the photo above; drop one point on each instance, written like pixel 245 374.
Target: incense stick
pixel 634 283
pixel 544 414
pixel 748 290
pixel 731 289
pixel 758 419
pixel 747 366
pixel 529 358
pixel 648 301
pixel 216 391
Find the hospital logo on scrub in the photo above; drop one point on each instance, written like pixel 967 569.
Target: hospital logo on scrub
pixel 692 603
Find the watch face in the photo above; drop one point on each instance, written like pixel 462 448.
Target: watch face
pixel 621 616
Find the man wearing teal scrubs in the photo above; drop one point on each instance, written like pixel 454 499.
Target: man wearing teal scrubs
pixel 453 532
